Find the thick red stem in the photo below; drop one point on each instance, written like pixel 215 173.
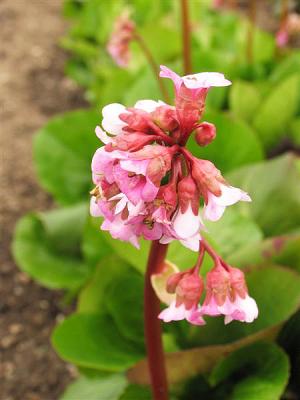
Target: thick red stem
pixel 186 37
pixel 156 361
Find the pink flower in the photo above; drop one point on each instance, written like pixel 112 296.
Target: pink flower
pixel 191 91
pixel 227 294
pixel 188 287
pixel 123 34
pixel 216 205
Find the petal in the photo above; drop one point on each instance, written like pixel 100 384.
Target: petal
pixel 111 121
pixel 94 208
pixel 186 224
pixel 148 105
pixel 166 72
pixel 102 135
pixel 192 243
pixel 205 80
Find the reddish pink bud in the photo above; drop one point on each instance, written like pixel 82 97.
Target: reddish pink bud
pixel 238 282
pixel 205 133
pixel 132 141
pixel 217 285
pixel 188 194
pixel 165 118
pixel 136 120
pixel 173 281
pixel 188 287
pixel 168 195
pixel 207 177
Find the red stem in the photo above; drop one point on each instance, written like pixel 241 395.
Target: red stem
pixel 156 361
pixel 186 37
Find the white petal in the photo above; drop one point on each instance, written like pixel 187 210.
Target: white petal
pixel 148 105
pixel 186 224
pixel 102 135
pixel 111 121
pixel 205 80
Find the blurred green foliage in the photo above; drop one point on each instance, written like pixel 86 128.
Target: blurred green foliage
pixel 64 248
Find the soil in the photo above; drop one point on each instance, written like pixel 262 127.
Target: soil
pixel 33 88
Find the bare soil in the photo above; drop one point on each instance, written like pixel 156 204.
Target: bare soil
pixel 33 88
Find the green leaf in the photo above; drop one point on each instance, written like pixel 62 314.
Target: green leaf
pixel 231 134
pixel 244 99
pixel 93 341
pixel 281 250
pixel 137 392
pixel 272 118
pixel 259 371
pixel 63 150
pixel 127 291
pixel 106 388
pixel 275 192
pixel 93 297
pixel 46 247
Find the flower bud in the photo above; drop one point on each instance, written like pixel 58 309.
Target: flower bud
pixel 137 120
pixel 165 118
pixel 188 194
pixel 205 133
pixel 207 177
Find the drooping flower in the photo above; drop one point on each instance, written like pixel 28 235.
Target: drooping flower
pixel 227 294
pixel 122 35
pixel 188 287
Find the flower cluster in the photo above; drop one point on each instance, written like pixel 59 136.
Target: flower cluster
pixel 226 294
pixel 122 35
pixel 147 183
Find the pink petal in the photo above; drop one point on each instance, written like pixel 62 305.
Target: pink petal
pixel 205 80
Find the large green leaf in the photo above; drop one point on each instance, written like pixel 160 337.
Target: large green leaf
pixel 102 388
pixel 130 323
pixel 63 150
pixel 93 341
pixel 259 371
pixel 244 99
pixel 275 192
pixel 275 113
pixel 92 298
pixel 231 134
pixel 46 246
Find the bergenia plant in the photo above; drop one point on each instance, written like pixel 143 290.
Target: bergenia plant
pixel 148 185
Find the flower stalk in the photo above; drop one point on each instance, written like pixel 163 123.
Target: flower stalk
pixel 156 362
pixel 250 34
pixel 186 37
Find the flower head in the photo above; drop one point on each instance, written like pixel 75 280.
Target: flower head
pixel 123 34
pixel 188 287
pixel 227 294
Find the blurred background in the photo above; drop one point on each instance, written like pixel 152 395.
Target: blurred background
pixel 54 59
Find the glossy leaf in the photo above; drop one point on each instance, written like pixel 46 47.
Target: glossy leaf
pixel 63 150
pixel 244 99
pixel 275 192
pixel 93 341
pixel 263 370
pixel 106 388
pixel 46 247
pixel 272 118
pixel 231 134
